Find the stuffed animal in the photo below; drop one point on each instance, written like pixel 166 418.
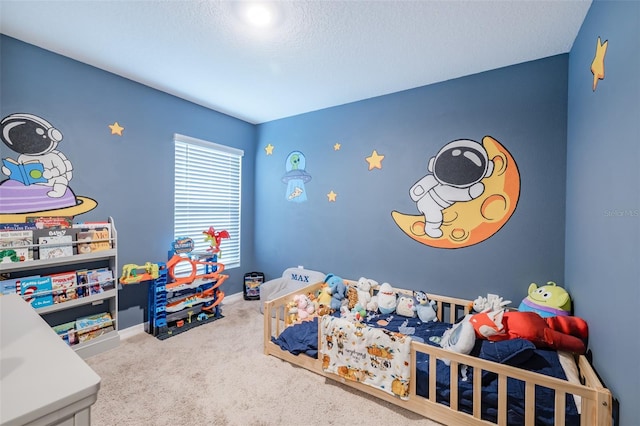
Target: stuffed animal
pixel 292 313
pixel 405 306
pixel 566 333
pixel 547 301
pixel 305 307
pixel 460 338
pixel 337 289
pixel 324 296
pixel 386 299
pixel 352 296
pixel 364 291
pixel 492 302
pixel 424 307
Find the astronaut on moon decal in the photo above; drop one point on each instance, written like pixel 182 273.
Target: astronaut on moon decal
pixel 456 170
pixel 471 191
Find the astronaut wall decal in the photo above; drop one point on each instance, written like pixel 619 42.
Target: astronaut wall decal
pixel 39 162
pixel 471 190
pixel 38 178
pixel 456 172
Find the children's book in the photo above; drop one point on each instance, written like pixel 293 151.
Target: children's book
pixel 42 222
pixel 93 322
pixel 67 332
pixel 37 291
pixel 82 280
pixel 10 286
pixel 95 286
pixel 22 226
pixel 93 236
pixel 27 173
pixel 55 242
pixel 64 286
pixel 16 246
pixel 107 281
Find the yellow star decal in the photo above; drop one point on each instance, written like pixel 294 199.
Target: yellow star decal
pixel 336 147
pixel 597 66
pixel 375 160
pixel 116 129
pixel 269 149
pixel 332 196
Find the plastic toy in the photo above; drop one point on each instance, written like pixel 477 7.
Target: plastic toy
pixel 425 308
pixel 547 301
pixel 567 333
pixel 214 238
pixel 132 273
pixel 386 299
pixel 337 289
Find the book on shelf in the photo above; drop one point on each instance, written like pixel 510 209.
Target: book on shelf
pixel 64 286
pixel 42 222
pixel 27 173
pixel 67 332
pixel 17 226
pixel 37 291
pixel 16 245
pixel 95 287
pixel 93 326
pixel 93 236
pixel 82 282
pixel 10 286
pixel 54 242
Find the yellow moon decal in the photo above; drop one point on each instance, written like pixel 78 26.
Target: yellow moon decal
pixel 471 222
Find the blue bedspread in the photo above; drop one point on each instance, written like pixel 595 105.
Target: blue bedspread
pixel 303 338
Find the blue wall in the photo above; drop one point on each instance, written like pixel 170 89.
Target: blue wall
pixel 130 176
pixel 572 145
pixel 523 107
pixel 603 196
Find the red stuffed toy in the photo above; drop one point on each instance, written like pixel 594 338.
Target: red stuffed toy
pixel 566 333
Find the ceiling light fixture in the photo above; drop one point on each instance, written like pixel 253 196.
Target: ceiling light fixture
pixel 259 15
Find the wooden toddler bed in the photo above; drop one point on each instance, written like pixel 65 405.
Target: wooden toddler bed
pixel 496 386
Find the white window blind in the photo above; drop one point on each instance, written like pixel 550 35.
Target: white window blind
pixel 207 193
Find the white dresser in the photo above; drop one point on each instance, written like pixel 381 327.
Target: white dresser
pixel 42 380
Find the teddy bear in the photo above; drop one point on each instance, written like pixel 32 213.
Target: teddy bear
pixel 364 291
pixel 305 307
pixel 424 307
pixel 338 290
pixel 386 299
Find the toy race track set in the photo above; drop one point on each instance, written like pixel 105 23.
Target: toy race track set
pixel 178 302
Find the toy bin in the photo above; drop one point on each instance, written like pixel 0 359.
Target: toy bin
pixel 252 283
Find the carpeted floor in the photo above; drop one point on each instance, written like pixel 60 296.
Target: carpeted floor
pixel 217 374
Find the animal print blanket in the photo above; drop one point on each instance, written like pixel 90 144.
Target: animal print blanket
pixel 373 356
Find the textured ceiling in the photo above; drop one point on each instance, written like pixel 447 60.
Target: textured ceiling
pixel 317 54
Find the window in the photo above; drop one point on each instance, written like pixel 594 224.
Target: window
pixel 208 193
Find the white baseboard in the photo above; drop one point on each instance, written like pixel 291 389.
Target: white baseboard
pixel 134 330
pixel 129 332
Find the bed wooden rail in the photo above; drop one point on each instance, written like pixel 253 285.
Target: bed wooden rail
pixel 596 400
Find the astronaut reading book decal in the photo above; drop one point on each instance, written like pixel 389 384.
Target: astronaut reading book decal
pixel 470 191
pixel 38 178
